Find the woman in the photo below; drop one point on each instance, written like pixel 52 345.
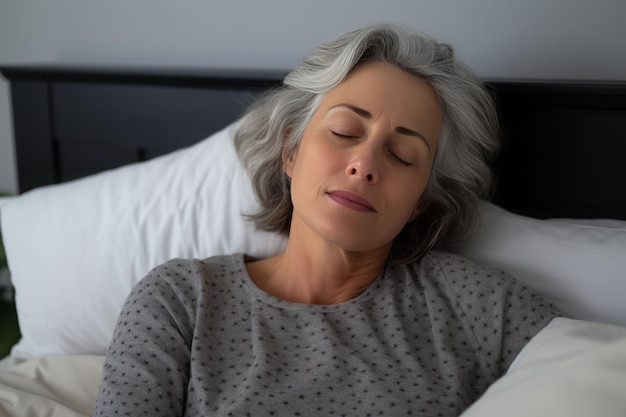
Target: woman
pixel 372 158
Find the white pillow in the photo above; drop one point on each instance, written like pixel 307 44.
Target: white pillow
pixel 570 369
pixel 4 200
pixel 579 266
pixel 75 250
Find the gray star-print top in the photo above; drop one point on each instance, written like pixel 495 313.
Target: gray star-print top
pixel 198 338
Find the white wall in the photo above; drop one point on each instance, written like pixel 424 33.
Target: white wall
pixel 566 39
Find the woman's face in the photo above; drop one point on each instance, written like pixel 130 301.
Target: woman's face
pixel 365 159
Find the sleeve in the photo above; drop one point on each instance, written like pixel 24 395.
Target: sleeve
pixel 147 365
pixel 500 313
pixel 523 313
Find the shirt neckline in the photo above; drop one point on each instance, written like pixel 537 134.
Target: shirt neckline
pixel 238 262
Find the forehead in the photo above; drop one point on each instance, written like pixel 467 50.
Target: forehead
pixel 385 90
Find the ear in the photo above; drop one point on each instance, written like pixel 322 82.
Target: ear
pixel 288 158
pixel 288 162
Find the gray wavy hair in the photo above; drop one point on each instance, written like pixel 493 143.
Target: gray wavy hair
pixel 469 138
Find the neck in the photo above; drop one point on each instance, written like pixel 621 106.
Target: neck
pixel 317 274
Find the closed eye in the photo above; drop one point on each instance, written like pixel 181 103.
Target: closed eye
pixel 343 136
pixel 402 161
pixel 393 155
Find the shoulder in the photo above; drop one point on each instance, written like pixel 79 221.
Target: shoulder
pixel 176 287
pixel 500 311
pixel 453 273
pixel 180 269
pixel 449 263
pixel 183 278
pixel 463 277
pixel 472 285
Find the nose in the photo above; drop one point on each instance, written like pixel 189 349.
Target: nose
pixel 364 165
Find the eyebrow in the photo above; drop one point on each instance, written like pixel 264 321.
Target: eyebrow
pixel 367 115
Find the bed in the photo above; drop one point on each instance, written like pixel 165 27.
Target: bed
pixel 121 169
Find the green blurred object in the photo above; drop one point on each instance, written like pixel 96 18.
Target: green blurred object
pixel 3 256
pixel 10 333
pixel 9 328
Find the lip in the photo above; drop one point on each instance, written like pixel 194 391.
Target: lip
pixel 351 201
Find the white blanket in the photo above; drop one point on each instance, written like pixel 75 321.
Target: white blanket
pixel 52 386
pixel 571 368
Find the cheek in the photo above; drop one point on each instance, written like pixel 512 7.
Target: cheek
pixel 306 175
pixel 411 193
pixel 315 162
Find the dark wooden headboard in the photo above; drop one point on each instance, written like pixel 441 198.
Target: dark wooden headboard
pixel 563 142
pixel 72 122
